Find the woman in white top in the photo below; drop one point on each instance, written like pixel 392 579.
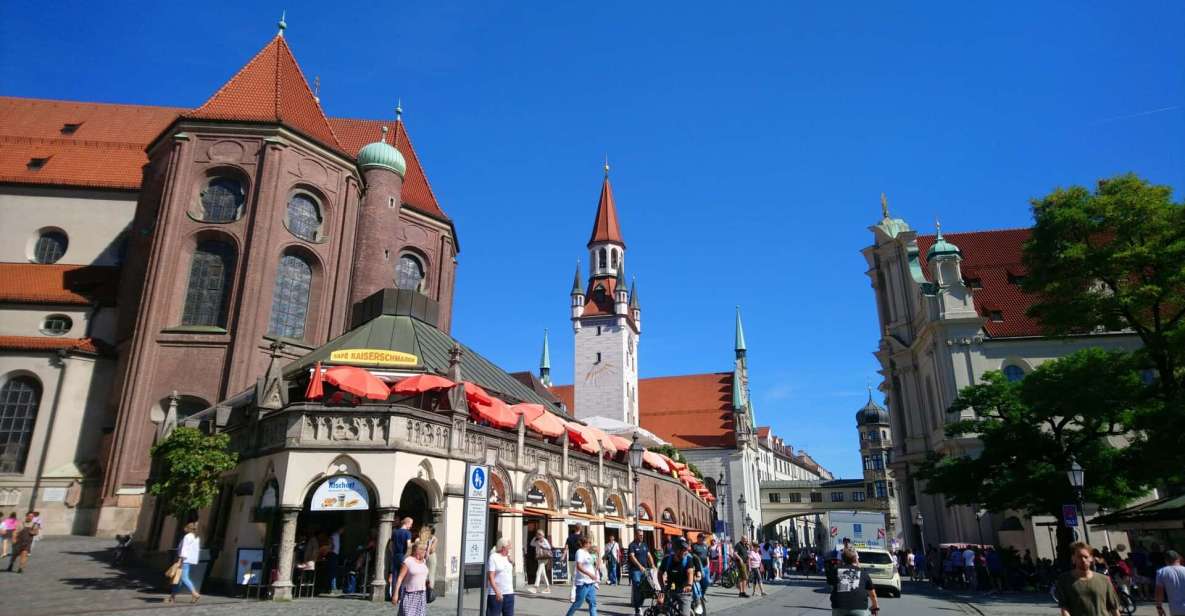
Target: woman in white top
pixel 412 584
pixel 542 549
pixel 500 571
pixel 187 555
pixel 587 578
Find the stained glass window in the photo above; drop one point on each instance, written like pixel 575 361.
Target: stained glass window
pixel 51 246
pixel 20 398
pixel 304 218
pixel 409 274
pixel 290 299
pixel 222 199
pixel 208 290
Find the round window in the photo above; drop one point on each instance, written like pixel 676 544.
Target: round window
pixel 50 247
pixel 56 325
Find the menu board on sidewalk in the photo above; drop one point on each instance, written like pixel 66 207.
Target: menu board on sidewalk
pixel 559 565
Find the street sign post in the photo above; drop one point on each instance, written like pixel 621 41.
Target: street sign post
pixel 473 530
pixel 1070 514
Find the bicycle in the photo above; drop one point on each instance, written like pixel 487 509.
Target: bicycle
pixel 729 578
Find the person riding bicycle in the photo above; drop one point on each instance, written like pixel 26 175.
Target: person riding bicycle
pixel 677 573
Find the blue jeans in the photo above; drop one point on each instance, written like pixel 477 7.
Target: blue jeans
pixel 613 576
pixel 184 580
pixel 585 592
pixel 636 591
pixel 505 607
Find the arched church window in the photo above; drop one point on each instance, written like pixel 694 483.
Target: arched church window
pixel 290 299
pixel 409 273
pixel 210 275
pixel 222 199
pixel 303 217
pixel 601 259
pixel 1014 373
pixel 20 399
pixel 613 257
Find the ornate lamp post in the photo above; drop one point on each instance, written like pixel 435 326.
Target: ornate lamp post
pixel 1077 478
pixel 635 461
pixel 921 531
pixel 749 526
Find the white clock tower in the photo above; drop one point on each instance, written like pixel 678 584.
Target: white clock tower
pixel 607 321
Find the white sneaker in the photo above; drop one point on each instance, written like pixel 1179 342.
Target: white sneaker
pixel 532 589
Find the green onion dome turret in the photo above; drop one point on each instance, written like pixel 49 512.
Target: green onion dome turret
pixel 382 155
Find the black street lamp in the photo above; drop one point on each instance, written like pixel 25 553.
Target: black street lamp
pixel 921 532
pixel 1077 478
pixel 749 526
pixel 635 461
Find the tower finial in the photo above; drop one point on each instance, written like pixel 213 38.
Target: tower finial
pixel 545 362
pixel 938 226
pixel 606 165
pixel 317 88
pixel 398 109
pixel 884 206
pixel 384 137
pixel 739 345
pixel 282 24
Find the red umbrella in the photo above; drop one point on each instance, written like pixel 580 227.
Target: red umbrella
pixel 357 381
pixel 620 443
pixel 497 414
pixel 421 383
pixel 580 436
pixel 656 461
pixel 602 439
pixel 539 419
pixel 477 394
pixel 315 390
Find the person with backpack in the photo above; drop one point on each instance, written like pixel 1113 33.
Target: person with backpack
pixel 703 553
pixel 677 573
pixel 852 588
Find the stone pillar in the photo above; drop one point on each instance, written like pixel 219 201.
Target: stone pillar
pixel 378 586
pixel 282 587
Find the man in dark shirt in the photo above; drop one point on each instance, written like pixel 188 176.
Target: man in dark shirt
pixel 573 544
pixel 851 588
pixel 641 560
pixel 740 555
pixel 678 571
pixel 400 542
pixel 700 550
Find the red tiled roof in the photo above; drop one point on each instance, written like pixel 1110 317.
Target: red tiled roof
pixel 354 134
pixel 605 227
pixel 992 257
pixel 75 285
pixel 37 343
pixel 270 88
pixel 688 411
pixel 106 150
pixel 763 432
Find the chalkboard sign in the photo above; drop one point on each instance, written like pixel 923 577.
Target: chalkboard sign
pixel 559 565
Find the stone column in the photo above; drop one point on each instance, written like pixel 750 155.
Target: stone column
pixel 282 587
pixel 378 586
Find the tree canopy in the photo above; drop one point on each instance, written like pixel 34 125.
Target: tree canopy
pixel 191 466
pixel 1080 406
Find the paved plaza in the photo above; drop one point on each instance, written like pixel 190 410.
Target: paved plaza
pixel 74 575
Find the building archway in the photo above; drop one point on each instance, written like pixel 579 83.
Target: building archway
pixel 345 504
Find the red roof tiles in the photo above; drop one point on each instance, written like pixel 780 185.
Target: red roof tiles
pixel 106 150
pixel 270 88
pixel 74 285
pixel 994 259
pixel 36 343
pixel 605 227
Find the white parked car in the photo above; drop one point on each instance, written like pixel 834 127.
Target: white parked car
pixel 879 565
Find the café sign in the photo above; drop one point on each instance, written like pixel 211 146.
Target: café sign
pixel 341 493
pixel 373 357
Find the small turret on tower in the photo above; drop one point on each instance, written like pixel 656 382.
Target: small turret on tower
pixel 545 363
pixel 577 299
pixel 635 306
pixel 377 241
pixel 621 296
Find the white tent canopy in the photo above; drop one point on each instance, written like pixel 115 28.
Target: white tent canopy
pixel 621 428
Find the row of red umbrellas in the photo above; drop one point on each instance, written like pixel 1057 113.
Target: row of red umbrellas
pixel 493 411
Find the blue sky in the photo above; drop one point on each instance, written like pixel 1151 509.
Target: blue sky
pixel 749 145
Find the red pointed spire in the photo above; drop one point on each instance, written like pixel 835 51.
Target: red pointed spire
pixel 270 88
pixel 605 227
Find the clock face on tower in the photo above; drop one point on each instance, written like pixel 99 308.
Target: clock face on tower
pixel 596 374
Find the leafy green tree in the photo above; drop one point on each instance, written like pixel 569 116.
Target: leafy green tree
pixel 1113 258
pixel 1081 406
pixel 191 465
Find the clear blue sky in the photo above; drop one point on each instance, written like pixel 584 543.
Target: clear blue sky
pixel 749 145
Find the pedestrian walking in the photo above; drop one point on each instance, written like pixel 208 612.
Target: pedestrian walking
pixel 715 560
pixel 22 543
pixel 573 544
pixel 428 534
pixel 400 543
pixel 740 556
pixel 8 528
pixel 676 574
pixel 612 560
pixel 1081 591
pixel 756 572
pixel 542 549
pixel 851 588
pixel 500 571
pixel 410 595
pixel 586 579
pixel 188 555
pixel 641 562
pixel 1170 586
pixel 702 552
pixel 333 559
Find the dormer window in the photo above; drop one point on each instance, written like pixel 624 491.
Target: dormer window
pixel 995 316
pixel 973 283
pixel 1016 279
pixel 35 164
pixel 70 128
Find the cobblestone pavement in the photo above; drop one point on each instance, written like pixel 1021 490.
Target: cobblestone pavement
pixel 74 575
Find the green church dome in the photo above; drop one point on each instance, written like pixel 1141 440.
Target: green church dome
pixel 942 247
pixel 382 155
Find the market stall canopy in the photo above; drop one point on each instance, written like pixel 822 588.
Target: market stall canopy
pixel 1166 513
pixel 421 383
pixel 540 420
pixel 497 414
pixel 357 381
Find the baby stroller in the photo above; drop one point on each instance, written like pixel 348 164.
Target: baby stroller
pixel 664 603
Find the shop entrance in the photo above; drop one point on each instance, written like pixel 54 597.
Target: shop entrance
pixel 539 509
pixel 336 533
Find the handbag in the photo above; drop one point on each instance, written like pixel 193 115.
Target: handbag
pixel 429 595
pixel 173 573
